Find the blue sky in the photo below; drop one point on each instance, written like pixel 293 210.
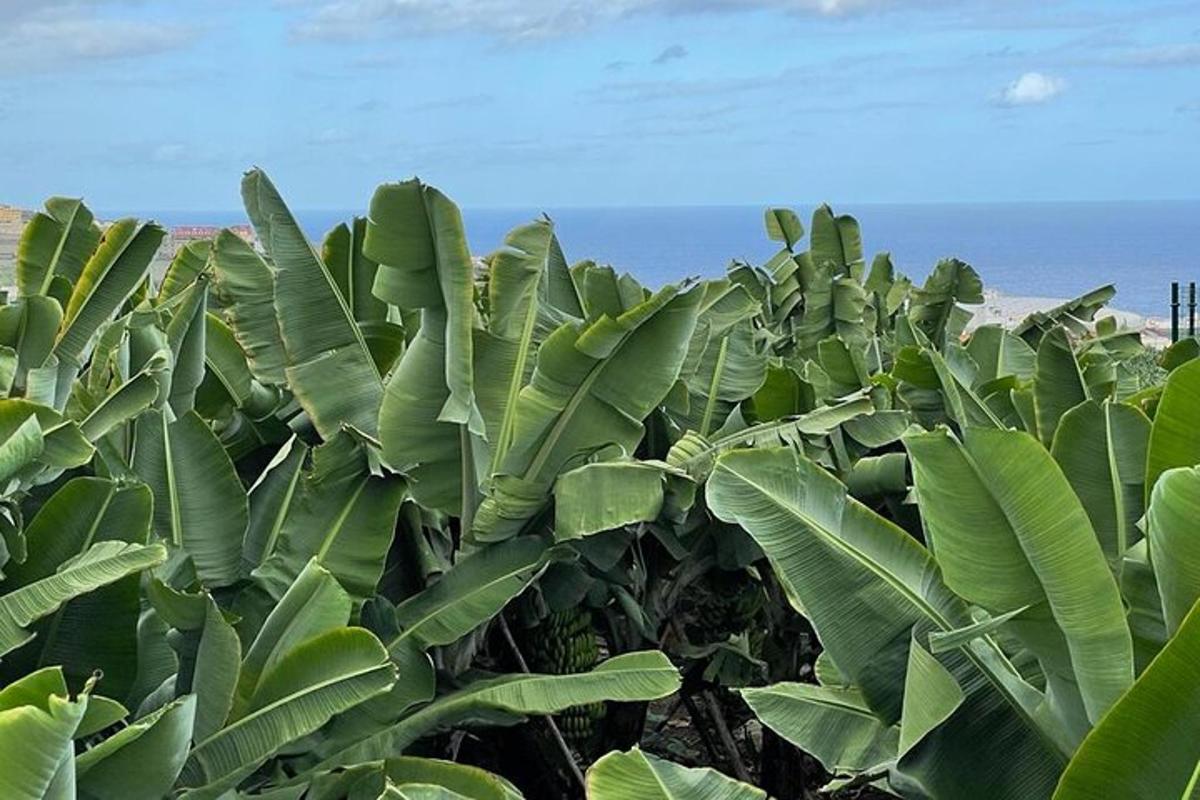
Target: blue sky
pixel 160 105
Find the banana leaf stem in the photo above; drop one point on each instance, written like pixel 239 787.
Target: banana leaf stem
pixel 718 720
pixel 568 756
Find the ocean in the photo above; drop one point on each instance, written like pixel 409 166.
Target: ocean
pixel 1027 249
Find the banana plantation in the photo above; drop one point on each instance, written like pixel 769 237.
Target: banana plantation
pixel 373 518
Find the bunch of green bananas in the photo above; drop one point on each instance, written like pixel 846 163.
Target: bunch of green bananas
pixel 561 644
pixel 724 603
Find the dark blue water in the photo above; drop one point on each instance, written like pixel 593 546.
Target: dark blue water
pixel 1040 249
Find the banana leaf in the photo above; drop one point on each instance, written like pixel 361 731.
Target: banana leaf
pixel 245 287
pixel 1175 434
pixel 864 584
pixel 99 630
pixel 834 724
pixel 55 243
pixel 415 233
pixel 324 676
pixel 471 592
pixel 352 271
pixel 343 515
pixel 142 760
pixel 186 266
pixel 36 752
pixel 1145 748
pixel 630 677
pixel 635 775
pixel 108 279
pixel 593 386
pixel 312 605
pixel 1101 448
pixel 1009 531
pixel 1059 384
pixel 101 564
pixel 328 366
pixel 1174 548
pixel 199 503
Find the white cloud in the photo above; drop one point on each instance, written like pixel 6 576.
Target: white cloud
pixel 528 19
pixel 1032 88
pixel 38 37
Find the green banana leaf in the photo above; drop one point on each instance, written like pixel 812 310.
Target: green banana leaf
pixel 471 592
pixel 635 775
pixel 186 337
pixel 834 724
pixel 864 584
pixel 55 243
pixel 593 386
pixel 1145 748
pixel 527 278
pixel 21 446
pixel 188 263
pixel 208 656
pixel 1175 434
pixel 609 494
pixel 226 361
pixel 732 368
pixel 998 352
pixel 36 753
pixel 783 225
pixel 1009 531
pixel 1101 448
pixel 1174 547
pixel 416 235
pixel 630 677
pixel 270 500
pixel 199 503
pixel 101 564
pixel 108 279
pixel 352 271
pixel 1073 314
pixel 127 401
pixel 142 760
pixel 245 287
pixel 97 631
pixel 325 676
pixel 343 515
pixel 41 318
pixel 38 456
pixel 1059 385
pixel 328 366
pixel 312 605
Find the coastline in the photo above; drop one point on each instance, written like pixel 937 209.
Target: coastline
pixel 1009 310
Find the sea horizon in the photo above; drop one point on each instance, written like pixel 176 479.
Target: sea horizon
pixel 1042 249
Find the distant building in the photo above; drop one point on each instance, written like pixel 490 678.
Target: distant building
pixel 181 235
pixel 12 219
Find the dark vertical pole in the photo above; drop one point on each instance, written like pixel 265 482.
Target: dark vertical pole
pixel 1174 311
pixel 1192 309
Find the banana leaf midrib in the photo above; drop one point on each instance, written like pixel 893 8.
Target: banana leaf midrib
pixel 197 753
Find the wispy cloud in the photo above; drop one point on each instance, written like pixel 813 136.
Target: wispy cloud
pixel 329 136
pixel 1162 55
pixel 1031 89
pixel 35 38
pixel 464 101
pixel 533 19
pixel 673 53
